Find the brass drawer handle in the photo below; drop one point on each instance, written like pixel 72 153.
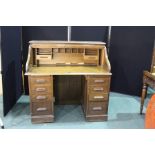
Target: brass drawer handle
pixel 42 109
pixel 97 108
pixel 40 80
pixel 98 97
pixel 98 89
pixel 41 97
pixel 40 89
pixel 98 81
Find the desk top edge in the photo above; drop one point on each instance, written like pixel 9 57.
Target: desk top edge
pixel 66 42
pixel 68 70
pixel 46 74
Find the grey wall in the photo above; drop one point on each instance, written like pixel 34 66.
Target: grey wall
pixel 11 65
pixel 89 33
pixel 130 53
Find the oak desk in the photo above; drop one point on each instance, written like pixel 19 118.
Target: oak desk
pixel 87 60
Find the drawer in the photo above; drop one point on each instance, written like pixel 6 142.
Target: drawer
pixel 90 59
pixel 41 89
pixel 98 88
pixel 41 97
pixel 40 80
pixel 98 97
pixel 98 80
pixel 42 108
pixel 97 108
pixel 43 57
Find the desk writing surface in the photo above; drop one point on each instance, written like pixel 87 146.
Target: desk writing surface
pixel 68 70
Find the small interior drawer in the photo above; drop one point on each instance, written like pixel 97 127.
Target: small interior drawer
pixel 90 57
pixel 43 57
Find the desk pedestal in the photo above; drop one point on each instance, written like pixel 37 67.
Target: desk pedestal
pixel 41 97
pixel 96 96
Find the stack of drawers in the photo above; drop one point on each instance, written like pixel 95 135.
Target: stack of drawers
pixel 97 96
pixel 41 97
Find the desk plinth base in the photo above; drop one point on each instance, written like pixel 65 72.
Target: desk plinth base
pixel 42 119
pixel 94 118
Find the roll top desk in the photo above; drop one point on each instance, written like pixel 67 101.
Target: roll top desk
pixel 49 59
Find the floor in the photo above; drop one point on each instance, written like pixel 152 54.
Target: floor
pixel 123 113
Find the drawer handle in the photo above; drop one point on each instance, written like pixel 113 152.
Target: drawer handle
pixel 98 81
pixel 98 97
pixel 97 108
pixel 41 97
pixel 98 89
pixel 40 81
pixel 44 57
pixel 42 109
pixel 40 89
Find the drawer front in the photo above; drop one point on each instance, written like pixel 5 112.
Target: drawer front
pixel 98 80
pixel 43 57
pixel 41 98
pixel 40 80
pixel 41 89
pixel 41 108
pixel 97 108
pixel 98 97
pixel 98 89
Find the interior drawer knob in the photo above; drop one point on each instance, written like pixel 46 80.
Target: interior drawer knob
pixel 98 97
pixel 97 108
pixel 41 97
